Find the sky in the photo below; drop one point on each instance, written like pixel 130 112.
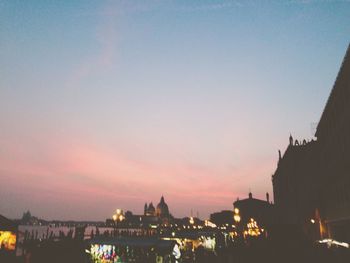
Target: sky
pixel 111 104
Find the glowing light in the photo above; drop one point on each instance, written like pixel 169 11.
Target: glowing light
pixel 312 221
pixel 253 228
pixel 210 224
pixel 237 218
pixel 118 216
pixel 236 215
pixel 191 220
pixel 7 240
pixel 334 242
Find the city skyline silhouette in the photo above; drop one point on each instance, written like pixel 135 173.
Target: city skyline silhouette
pixel 112 104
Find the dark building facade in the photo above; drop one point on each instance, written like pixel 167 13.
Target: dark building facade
pixel 222 218
pixel 312 180
pixel 294 182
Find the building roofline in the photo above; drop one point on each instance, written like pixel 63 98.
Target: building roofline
pixel 251 199
pixel 331 95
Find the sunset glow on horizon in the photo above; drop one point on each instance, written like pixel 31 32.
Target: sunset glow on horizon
pixel 112 104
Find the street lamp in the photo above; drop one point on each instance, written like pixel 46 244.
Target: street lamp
pixel 118 216
pixel 237 219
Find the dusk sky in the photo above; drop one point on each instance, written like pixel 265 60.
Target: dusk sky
pixel 111 104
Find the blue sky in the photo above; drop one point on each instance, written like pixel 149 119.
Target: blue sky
pixel 190 99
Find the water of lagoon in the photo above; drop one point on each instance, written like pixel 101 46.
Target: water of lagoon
pixel 42 232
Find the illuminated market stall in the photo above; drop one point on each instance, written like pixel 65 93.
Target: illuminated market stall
pixel 132 249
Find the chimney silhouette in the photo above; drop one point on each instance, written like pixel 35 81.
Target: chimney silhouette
pixel 268 197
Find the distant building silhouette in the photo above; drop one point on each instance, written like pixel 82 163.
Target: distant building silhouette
pixel 162 210
pixel 151 216
pixel 222 218
pixel 149 210
pixel 312 180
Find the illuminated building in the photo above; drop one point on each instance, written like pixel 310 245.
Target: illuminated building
pixel 311 183
pixel 262 211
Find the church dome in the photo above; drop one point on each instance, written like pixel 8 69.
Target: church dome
pixel 162 208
